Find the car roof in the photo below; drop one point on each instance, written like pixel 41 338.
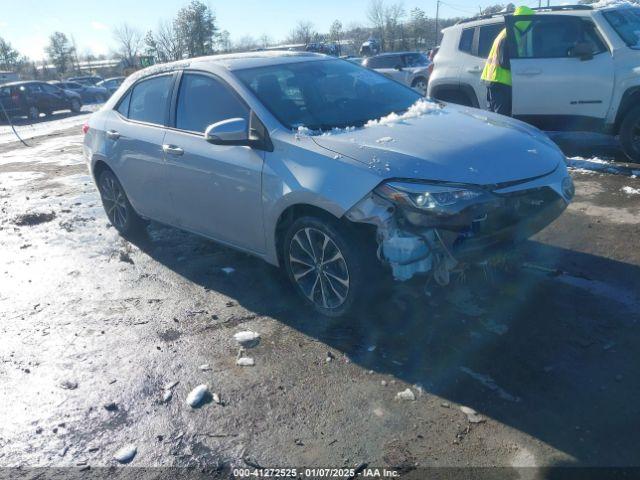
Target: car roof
pixel 581 10
pixel 20 82
pixel 395 54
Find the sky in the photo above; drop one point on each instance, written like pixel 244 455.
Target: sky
pixel 27 24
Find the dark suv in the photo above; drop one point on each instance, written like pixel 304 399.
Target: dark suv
pixel 30 99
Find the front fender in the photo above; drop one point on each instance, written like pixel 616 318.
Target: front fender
pixel 302 173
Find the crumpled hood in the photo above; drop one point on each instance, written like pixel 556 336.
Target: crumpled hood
pixel 452 144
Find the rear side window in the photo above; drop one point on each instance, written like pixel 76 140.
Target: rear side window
pixel 123 106
pixel 149 100
pixel 466 40
pixel 488 34
pixel 554 37
pixel 385 62
pixel 203 101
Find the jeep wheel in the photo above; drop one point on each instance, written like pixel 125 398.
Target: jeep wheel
pixel 420 85
pixel 630 134
pixel 326 264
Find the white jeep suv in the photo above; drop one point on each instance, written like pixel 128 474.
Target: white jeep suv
pixel 580 72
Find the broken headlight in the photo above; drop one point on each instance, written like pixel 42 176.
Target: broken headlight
pixel 428 197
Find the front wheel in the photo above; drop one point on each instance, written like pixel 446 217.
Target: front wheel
pixel 75 105
pixel 326 264
pixel 117 206
pixel 630 134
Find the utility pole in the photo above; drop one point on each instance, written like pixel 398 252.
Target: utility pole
pixel 437 17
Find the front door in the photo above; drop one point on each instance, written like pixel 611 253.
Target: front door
pixel 216 190
pixel 555 86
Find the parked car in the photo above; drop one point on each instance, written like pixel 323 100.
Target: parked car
pixel 432 55
pixel 31 98
pixel 410 68
pixel 86 79
pixel 88 93
pixel 290 157
pixel 579 74
pixel 111 84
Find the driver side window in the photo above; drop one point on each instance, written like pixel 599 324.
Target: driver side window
pixel 203 101
pixel 553 37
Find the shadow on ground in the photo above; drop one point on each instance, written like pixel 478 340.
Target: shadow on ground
pixel 532 349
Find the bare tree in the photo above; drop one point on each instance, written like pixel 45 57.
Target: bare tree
pixel 336 33
pixel 168 42
pixel 224 41
pixel 303 33
pixel 264 41
pixel 375 14
pixel 246 43
pixel 394 31
pixel 129 42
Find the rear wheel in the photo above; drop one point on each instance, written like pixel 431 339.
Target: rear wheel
pixel 420 85
pixel 630 134
pixel 326 264
pixel 117 206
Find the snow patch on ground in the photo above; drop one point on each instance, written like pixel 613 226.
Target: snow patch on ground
pixel 631 191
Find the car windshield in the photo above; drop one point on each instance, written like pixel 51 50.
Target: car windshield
pixel 322 95
pixel 626 21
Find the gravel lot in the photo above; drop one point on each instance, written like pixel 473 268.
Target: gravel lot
pixel 94 328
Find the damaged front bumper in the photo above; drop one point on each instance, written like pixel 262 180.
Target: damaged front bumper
pixel 427 228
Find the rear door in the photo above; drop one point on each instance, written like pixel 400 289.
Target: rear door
pixel 56 97
pixel 216 190
pixel 134 134
pixel 553 88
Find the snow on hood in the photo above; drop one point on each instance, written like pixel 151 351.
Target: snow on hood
pixel 452 144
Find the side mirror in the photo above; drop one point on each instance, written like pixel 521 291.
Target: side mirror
pixel 583 51
pixel 234 131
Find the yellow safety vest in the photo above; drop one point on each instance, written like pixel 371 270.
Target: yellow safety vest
pixel 493 72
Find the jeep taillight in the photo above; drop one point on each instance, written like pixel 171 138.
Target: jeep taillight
pixel 85 128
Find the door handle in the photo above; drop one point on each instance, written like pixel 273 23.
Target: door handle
pixel 475 69
pixel 113 135
pixel 529 73
pixel 172 149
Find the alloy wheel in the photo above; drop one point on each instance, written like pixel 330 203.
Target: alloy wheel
pixel 114 201
pixel 319 268
pixel 34 113
pixel 421 87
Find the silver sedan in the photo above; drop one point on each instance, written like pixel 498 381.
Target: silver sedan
pixel 328 169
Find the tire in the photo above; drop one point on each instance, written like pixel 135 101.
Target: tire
pixel 117 206
pixel 33 113
pixel 630 134
pixel 76 106
pixel 335 287
pixel 420 84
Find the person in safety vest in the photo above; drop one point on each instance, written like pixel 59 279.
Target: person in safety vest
pixel 497 70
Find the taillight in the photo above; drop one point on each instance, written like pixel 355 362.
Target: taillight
pixel 15 97
pixel 85 128
pixel 430 68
